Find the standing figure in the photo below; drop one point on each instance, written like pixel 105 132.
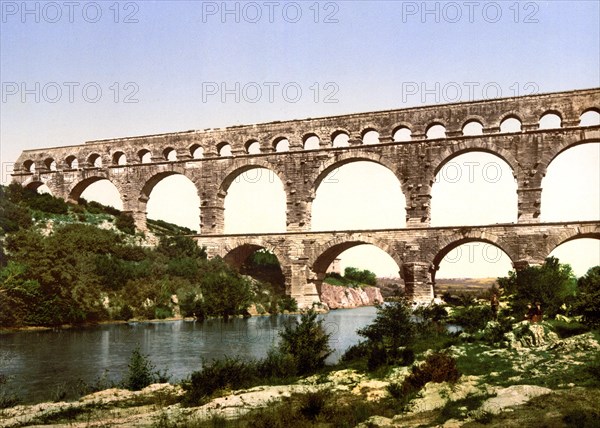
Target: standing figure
pixel 494 303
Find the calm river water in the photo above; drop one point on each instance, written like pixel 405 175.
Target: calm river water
pixel 41 363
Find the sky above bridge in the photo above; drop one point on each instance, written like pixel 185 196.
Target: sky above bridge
pixel 78 71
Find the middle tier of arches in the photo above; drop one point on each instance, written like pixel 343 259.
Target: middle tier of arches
pixel 415 168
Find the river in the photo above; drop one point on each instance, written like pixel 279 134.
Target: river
pixel 40 364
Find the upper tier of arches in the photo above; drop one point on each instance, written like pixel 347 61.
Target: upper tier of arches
pixel 400 126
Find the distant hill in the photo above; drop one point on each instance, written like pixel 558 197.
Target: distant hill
pixel 463 285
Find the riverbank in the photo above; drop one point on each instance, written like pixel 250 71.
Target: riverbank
pixel 335 297
pixel 525 383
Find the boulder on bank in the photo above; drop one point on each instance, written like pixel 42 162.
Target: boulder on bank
pixel 525 334
pixel 512 396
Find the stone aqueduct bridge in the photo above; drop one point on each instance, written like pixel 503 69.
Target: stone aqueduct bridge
pixel 305 255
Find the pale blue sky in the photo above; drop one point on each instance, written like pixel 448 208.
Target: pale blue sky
pixel 370 54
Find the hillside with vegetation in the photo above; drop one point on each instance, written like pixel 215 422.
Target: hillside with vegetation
pixel 63 263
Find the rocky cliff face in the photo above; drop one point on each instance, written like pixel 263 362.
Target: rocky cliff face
pixel 338 297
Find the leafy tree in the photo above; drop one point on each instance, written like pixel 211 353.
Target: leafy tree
pixel 587 302
pixel 17 295
pixel 391 331
pixel 307 342
pixel 225 292
pixel 263 258
pixel 186 267
pixel 392 327
pixel 552 284
pixel 360 276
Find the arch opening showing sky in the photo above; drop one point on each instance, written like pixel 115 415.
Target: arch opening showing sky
pixel 571 187
pixel 475 188
pixel 474 260
pixel 359 195
pixel 103 192
pixel 255 203
pixel 581 254
pixel 175 199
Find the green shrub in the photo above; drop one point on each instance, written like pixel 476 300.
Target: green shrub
pixel 312 404
pixel 494 331
pixel 277 364
pixel 438 367
pixel 307 342
pixel 582 419
pixel 13 217
pixel 263 258
pixel 593 367
pixel 472 318
pixel 47 203
pixel 360 276
pixel 229 373
pixel 161 312
pixel 431 313
pixel 355 352
pixel 141 372
pixel 393 326
pixel 7 399
pixel 395 390
pixel 287 303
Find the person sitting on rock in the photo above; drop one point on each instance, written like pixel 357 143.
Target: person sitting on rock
pixel 529 312
pixel 537 312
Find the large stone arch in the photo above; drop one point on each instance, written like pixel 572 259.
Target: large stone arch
pixel 76 189
pixel 449 243
pixel 237 251
pixel 239 166
pixel 440 191
pixel 34 182
pixel 559 147
pixel 325 253
pixel 470 145
pixel 345 158
pixel 235 170
pixel 153 179
pixel 138 206
pixel 571 234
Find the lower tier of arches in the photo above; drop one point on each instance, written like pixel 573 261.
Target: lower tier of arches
pixel 305 257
